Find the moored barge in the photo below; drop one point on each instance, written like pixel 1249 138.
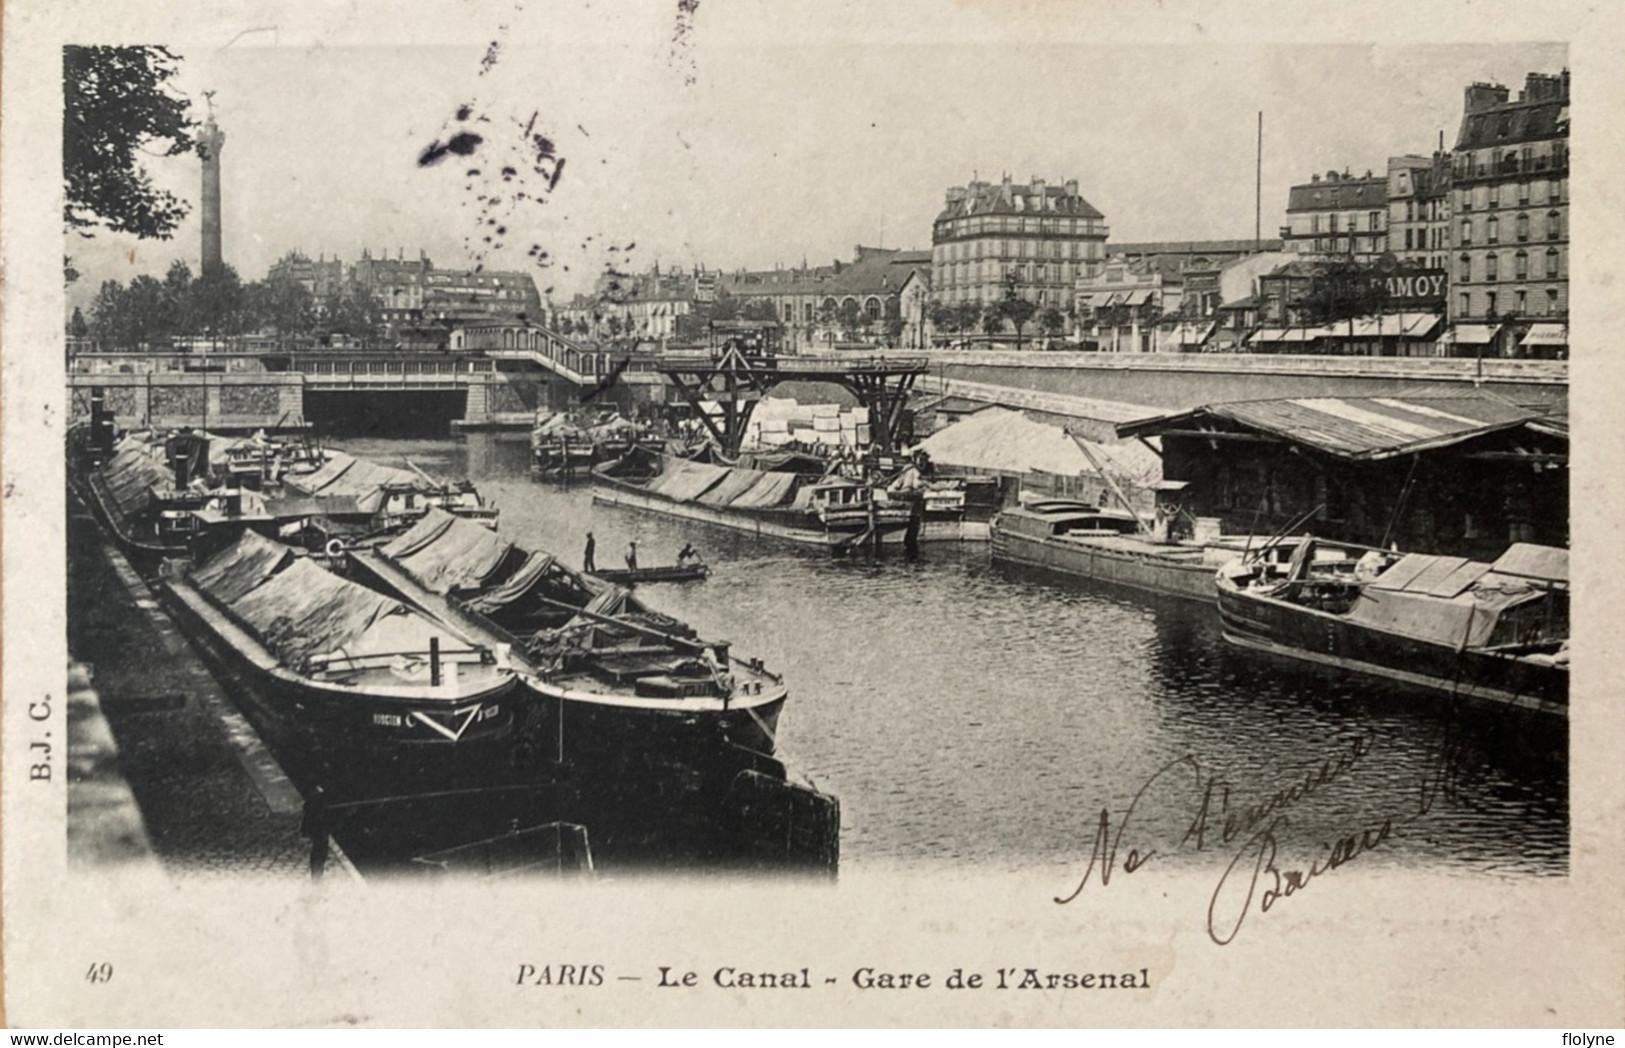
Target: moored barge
pixel 615 680
pixel 1496 632
pixel 831 511
pixel 374 685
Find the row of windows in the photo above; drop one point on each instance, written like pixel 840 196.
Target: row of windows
pixel 977 296
pixel 1011 224
pixel 1490 197
pixel 1521 228
pixel 1430 211
pixel 1493 269
pixel 1545 156
pixel 1006 249
pixel 1519 303
pixel 983 272
pixel 1423 239
pixel 1351 222
pixel 1356 245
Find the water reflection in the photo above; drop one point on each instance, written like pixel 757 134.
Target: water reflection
pixel 966 712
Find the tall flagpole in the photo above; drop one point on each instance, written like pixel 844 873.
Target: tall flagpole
pixel 1258 190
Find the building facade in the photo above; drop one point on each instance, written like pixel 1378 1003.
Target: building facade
pixel 1121 306
pixel 1339 215
pixel 1036 239
pixel 1419 209
pixel 1509 196
pixel 858 301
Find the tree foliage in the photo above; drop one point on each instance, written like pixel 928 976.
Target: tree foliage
pixel 155 313
pixel 117 101
pixel 1343 290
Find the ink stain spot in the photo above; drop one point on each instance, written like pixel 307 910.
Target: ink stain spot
pixel 463 144
pixel 464 111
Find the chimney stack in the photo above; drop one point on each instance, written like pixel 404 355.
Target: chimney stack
pixel 1482 96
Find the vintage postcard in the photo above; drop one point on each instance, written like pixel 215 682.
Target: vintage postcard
pixel 706 513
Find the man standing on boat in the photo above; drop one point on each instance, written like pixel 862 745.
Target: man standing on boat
pixel 632 556
pixel 686 554
pixel 588 564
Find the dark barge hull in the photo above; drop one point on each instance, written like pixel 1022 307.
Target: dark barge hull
pixel 602 729
pixel 1291 630
pixel 793 525
pixel 366 740
pixel 145 553
pixel 1192 580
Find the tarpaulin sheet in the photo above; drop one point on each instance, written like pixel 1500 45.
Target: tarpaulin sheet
pixel 288 507
pixel 346 475
pixel 130 477
pixel 736 483
pixel 686 481
pixel 365 480
pixel 770 489
pixel 463 556
pixel 1455 623
pixel 310 483
pixel 429 527
pixel 521 582
pixel 304 611
pixel 230 574
pixel 1525 559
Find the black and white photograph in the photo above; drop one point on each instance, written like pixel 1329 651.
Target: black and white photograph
pixel 707 513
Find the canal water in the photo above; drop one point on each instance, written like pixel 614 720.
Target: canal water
pixel 968 713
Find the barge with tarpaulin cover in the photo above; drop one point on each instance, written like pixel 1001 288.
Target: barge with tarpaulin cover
pixel 371 682
pixel 562 445
pixel 390 496
pixel 829 511
pixel 1107 545
pixel 613 679
pixel 1493 631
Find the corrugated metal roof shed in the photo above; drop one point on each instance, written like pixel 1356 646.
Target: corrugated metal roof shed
pixel 1353 427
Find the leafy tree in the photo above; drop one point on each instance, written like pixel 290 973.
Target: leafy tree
pixel 77 326
pixel 286 306
pixel 850 315
pixel 355 313
pixel 943 317
pixel 760 309
pixel 1052 321
pixel 218 303
pixel 1343 290
pixel 724 307
pixel 180 299
pixel 1018 311
pixel 615 325
pixel 116 101
pixel 970 314
pixel 992 320
pixel 141 317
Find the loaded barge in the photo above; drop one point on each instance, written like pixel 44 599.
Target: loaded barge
pixel 832 511
pixel 1497 632
pixel 614 678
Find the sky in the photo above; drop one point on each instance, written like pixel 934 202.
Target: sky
pixel 690 142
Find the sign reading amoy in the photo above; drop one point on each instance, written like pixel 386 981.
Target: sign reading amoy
pixel 1419 289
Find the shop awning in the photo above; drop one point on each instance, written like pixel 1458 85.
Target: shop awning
pixel 1547 335
pixel 1470 335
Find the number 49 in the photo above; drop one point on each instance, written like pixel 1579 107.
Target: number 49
pixel 100 972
